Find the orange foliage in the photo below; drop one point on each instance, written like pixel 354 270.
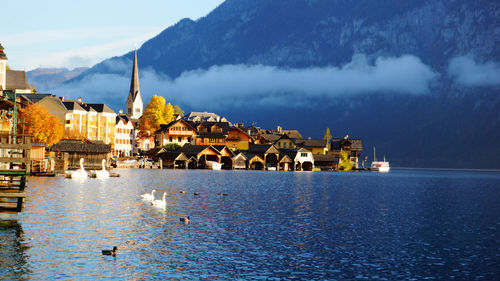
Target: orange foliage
pixel 40 124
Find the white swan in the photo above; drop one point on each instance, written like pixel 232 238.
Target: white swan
pixel 80 173
pixel 149 197
pixel 102 174
pixel 160 203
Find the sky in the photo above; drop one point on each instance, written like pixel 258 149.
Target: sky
pixel 74 33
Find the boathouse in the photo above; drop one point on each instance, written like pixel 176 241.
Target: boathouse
pixel 269 153
pixel 70 152
pixel 173 159
pixel 200 154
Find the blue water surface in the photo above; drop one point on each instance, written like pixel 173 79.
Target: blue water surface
pixel 404 225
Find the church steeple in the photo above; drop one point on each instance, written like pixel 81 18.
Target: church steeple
pixel 134 100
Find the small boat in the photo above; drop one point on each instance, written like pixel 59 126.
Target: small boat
pixel 214 165
pixel 379 166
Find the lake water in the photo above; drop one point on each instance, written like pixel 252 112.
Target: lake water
pixel 405 225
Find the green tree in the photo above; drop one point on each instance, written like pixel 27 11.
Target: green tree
pixel 345 162
pixel 328 138
pixel 172 146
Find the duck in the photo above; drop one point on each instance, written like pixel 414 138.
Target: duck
pixel 196 193
pixel 160 203
pixel 80 173
pixel 186 219
pixel 102 174
pixel 110 252
pixel 149 197
pixel 182 191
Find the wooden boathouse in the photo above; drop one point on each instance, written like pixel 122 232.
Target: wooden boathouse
pixel 14 168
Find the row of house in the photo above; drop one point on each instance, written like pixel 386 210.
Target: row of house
pixel 257 157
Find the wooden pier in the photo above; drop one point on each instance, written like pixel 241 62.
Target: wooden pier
pixel 14 168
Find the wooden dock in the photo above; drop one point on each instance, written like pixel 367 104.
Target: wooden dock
pixel 14 168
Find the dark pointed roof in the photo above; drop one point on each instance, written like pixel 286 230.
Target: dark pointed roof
pixel 134 81
pixel 16 80
pixel 2 54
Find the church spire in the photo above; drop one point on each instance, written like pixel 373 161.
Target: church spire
pixel 134 100
pixel 134 82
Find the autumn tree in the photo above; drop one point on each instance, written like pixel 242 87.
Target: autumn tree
pixel 155 114
pixel 328 138
pixel 178 111
pixel 40 124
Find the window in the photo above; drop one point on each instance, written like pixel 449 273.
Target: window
pixel 179 139
pixel 170 139
pixel 138 110
pixel 303 154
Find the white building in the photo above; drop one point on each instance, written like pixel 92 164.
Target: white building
pixel 124 136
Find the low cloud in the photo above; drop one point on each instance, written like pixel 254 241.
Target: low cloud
pixel 241 85
pixel 466 71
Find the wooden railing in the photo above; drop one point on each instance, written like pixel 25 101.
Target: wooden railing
pixel 14 167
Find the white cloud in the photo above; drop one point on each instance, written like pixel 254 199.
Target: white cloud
pixel 466 71
pixel 267 85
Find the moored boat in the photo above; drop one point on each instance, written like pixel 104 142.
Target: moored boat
pixel 379 166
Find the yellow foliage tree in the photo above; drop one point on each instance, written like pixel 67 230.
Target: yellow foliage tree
pixel 155 114
pixel 40 124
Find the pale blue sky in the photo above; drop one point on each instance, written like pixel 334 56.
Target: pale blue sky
pixel 72 33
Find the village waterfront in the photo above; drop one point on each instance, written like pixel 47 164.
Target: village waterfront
pixel 403 225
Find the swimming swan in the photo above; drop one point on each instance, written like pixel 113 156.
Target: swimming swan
pixel 160 203
pixel 102 174
pixel 80 173
pixel 149 197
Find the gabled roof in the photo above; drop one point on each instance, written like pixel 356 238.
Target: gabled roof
pixel 73 105
pixel 165 127
pixel 223 125
pixel 173 155
pixel 232 128
pixel 101 107
pixel 285 137
pixel 311 143
pixel 224 147
pixel 252 157
pixel 34 98
pixel 263 149
pixel 284 158
pixel 16 80
pixel 79 146
pixel 272 138
pixel 325 158
pixel 124 118
pixel 356 144
pixel 154 151
pixel 241 155
pixel 191 150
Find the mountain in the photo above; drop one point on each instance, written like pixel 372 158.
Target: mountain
pixel 418 79
pixel 47 79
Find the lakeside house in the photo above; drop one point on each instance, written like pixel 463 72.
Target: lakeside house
pixel 353 148
pixel 178 132
pixel 124 136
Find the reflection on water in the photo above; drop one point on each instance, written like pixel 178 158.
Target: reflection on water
pixel 12 251
pixel 401 225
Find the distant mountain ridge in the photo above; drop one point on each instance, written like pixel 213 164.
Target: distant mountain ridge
pixel 47 79
pixel 455 125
